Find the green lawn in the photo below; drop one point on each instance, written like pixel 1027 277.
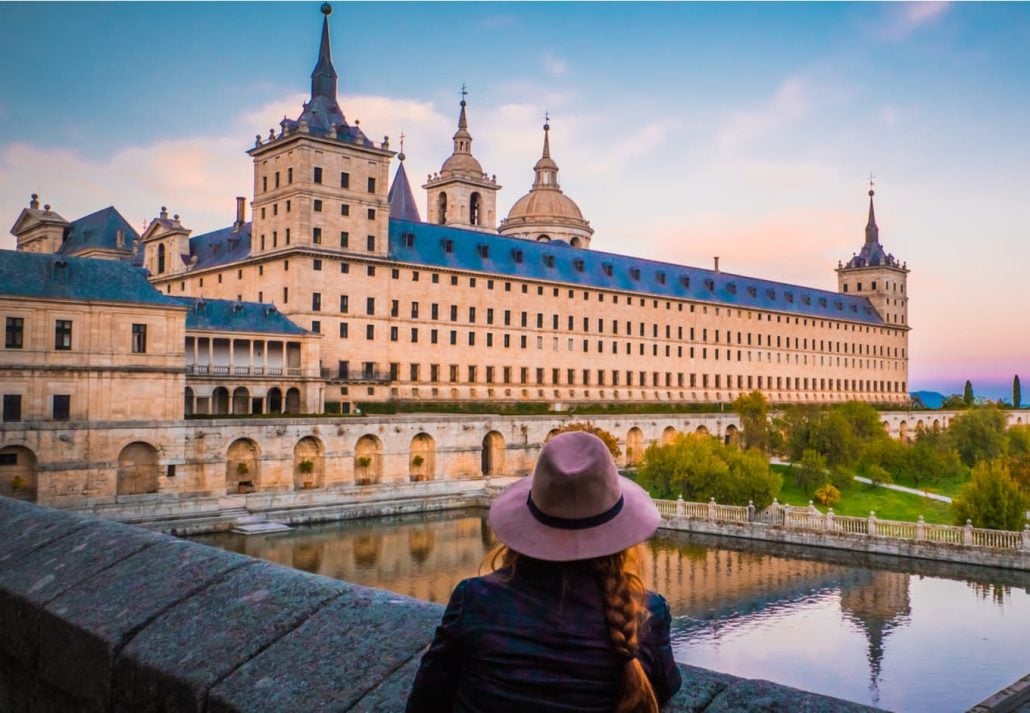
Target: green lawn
pixel 859 499
pixel 945 486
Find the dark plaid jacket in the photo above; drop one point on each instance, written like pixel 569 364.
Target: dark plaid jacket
pixel 536 642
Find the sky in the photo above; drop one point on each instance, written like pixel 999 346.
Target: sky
pixel 683 131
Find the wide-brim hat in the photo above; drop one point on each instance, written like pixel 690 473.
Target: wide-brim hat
pixel 575 505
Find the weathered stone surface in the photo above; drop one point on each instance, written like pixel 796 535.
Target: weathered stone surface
pixel 25 527
pixel 43 574
pixel 756 696
pixel 172 663
pixel 392 693
pixel 334 658
pixel 700 687
pixel 82 631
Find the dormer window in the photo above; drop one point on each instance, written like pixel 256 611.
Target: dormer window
pixel 710 285
pixel 448 245
pixel 517 256
pixel 483 250
pixel 839 305
pixel 822 301
pixel 806 299
pixel 854 308
pixel 685 280
pixel 660 276
pixel 607 268
pixel 408 240
pixel 549 260
pixel 752 291
pixel 789 296
pixel 634 272
pixel 578 264
pixel 770 293
pixel 731 287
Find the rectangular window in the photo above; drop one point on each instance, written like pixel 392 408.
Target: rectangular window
pixel 63 335
pixel 370 331
pixel 370 243
pixel 318 206
pixel 286 295
pixel 12 407
pixel 371 213
pixel 344 179
pixel 316 236
pixel 344 330
pixel 371 185
pixel 393 334
pixel 370 305
pixel 316 301
pixel 344 239
pixel 344 304
pixel 317 178
pixel 139 339
pixel 413 372
pixel 14 337
pixel 316 326
pixel 344 209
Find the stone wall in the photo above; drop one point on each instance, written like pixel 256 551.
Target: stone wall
pixel 100 616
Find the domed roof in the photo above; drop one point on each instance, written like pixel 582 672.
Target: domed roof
pixel 462 163
pixel 543 204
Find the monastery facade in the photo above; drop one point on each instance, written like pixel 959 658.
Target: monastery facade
pixel 370 303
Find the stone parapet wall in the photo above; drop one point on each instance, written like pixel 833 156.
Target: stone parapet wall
pixel 101 616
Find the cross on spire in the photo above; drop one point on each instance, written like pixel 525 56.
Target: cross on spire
pixel 871 182
pixel 464 92
pixel 402 142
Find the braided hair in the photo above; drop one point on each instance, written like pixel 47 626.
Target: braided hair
pixel 625 612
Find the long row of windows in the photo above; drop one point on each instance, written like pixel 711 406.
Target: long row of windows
pixel 317 175
pixel 14 335
pixel 472 374
pixel 60 407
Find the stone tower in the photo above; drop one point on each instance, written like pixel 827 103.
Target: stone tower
pixel 461 194
pixel 877 275
pixel 39 230
pixel 545 213
pixel 320 182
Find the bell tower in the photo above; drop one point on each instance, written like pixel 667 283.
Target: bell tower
pixel 461 194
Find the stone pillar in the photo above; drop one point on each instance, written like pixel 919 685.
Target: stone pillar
pixel 872 523
pixel 711 508
pixel 921 529
pixel 681 510
pixel 967 533
pixel 750 510
pixel 828 522
pixel 1026 538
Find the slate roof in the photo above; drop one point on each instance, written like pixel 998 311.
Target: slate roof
pixel 98 230
pixel 43 275
pixel 427 244
pixel 402 200
pixel 221 247
pixel 233 316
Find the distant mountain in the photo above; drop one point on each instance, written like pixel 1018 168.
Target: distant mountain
pixel 930 399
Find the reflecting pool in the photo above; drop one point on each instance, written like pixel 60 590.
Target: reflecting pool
pixel 901 634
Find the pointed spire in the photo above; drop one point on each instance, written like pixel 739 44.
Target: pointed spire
pixel 401 198
pixel 323 78
pixel 462 137
pixel 547 133
pixel 872 233
pixel 462 119
pixel 546 169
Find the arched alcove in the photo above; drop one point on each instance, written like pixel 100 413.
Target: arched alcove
pixel 18 477
pixel 441 203
pixel 492 458
pixel 293 400
pixel 669 435
pixel 275 400
pixel 241 400
pixel 242 467
pixel 634 446
pixel 138 469
pixel 732 435
pixel 368 460
pixel 220 401
pixel 422 457
pixel 702 430
pixel 187 403
pixel 903 431
pixel 308 464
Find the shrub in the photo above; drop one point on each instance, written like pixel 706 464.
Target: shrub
pixel 827 495
pixel 992 498
pixel 417 461
pixel 306 466
pixel 609 439
pixel 363 461
pixel 242 469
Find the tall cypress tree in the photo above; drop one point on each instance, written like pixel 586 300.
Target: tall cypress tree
pixel 967 393
pixel 1017 392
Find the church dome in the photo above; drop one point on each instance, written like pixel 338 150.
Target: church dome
pixel 462 163
pixel 552 204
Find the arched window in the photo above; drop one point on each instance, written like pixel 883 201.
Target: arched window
pixel 160 259
pixel 442 204
pixel 543 238
pixel 474 209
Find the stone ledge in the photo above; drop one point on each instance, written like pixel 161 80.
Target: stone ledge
pixel 99 616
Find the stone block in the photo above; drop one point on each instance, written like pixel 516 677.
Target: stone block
pixel 25 527
pixel 757 696
pixel 172 664
pixel 391 695
pixel 334 658
pixel 41 575
pixel 699 689
pixel 82 631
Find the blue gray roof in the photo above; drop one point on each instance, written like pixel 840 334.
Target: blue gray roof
pixel 98 231
pixel 221 247
pixel 447 247
pixel 44 275
pixel 233 316
pixel 402 200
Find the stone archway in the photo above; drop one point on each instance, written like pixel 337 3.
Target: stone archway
pixel 240 400
pixel 293 400
pixel 551 434
pixel 702 430
pixel 887 427
pixel 669 435
pixel 492 459
pixel 368 460
pixel 308 464
pixel 903 431
pixel 18 477
pixel 732 437
pixel 220 401
pixel 634 446
pixel 275 400
pixel 138 469
pixel 936 425
pixel 422 458
pixel 242 467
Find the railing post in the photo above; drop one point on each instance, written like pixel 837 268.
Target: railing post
pixel 872 523
pixel 681 509
pixel 967 533
pixel 921 529
pixel 750 510
pixel 711 508
pixel 1026 537
pixel 811 508
pixel 828 522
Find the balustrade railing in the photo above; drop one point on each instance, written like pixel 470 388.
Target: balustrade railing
pixel 201 369
pixel 810 518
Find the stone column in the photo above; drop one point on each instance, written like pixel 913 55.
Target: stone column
pixel 750 510
pixel 680 508
pixel 872 523
pixel 711 508
pixel 967 533
pixel 1026 538
pixel 828 522
pixel 921 529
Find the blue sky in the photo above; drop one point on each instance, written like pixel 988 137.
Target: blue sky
pixel 684 131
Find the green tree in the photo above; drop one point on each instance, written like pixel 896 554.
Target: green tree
pixel 992 499
pixel 754 420
pixel 699 467
pixel 953 402
pixel 967 393
pixel 609 439
pixel 811 471
pixel 1017 392
pixel 979 434
pixel 863 419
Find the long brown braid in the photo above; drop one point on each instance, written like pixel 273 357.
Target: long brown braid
pixel 625 612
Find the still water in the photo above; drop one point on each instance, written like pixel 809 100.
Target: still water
pixel 902 635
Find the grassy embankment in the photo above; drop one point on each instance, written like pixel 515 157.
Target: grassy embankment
pixel 857 500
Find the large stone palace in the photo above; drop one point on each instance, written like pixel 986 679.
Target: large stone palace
pixel 336 293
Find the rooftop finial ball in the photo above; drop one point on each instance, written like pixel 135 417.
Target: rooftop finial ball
pixel 327 9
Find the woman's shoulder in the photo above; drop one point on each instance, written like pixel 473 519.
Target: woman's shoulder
pixel 656 604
